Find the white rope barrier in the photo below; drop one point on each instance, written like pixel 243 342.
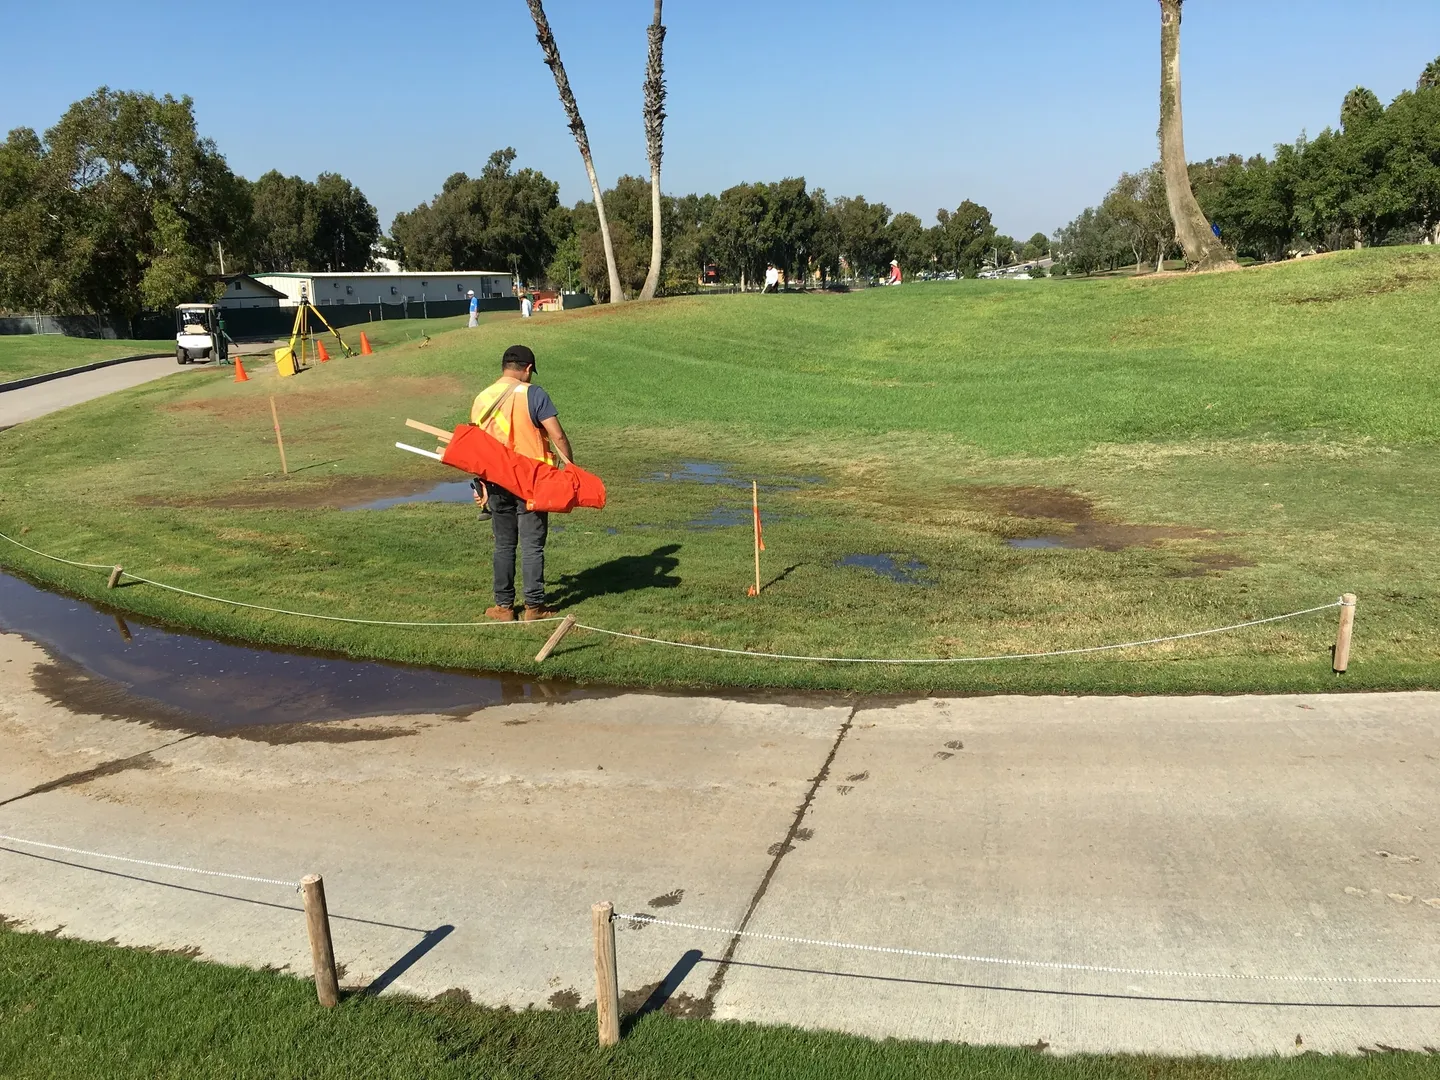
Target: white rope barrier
pixel 147 862
pixel 960 659
pixel 1050 965
pixel 749 653
pixel 262 607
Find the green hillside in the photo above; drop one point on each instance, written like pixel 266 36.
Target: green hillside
pixel 1205 450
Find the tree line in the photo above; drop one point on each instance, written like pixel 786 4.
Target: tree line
pixel 123 206
pixel 1374 179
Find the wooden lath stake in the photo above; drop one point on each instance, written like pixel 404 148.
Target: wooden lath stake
pixel 279 440
pixel 439 433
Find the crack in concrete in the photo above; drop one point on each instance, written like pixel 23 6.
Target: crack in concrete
pixel 780 850
pixel 142 760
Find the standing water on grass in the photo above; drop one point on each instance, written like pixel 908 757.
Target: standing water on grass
pixel 212 685
pixel 454 491
pixel 910 572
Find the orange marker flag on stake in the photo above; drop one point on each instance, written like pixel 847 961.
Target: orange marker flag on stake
pixel 754 590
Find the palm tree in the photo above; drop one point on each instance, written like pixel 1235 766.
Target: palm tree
pixel 1430 77
pixel 1203 249
pixel 551 53
pixel 654 142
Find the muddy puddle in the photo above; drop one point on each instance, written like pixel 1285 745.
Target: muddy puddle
pixel 458 491
pixel 910 572
pixel 132 669
pixel 712 472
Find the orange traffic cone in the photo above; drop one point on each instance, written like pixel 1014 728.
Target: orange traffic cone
pixel 365 349
pixel 240 375
pixel 320 351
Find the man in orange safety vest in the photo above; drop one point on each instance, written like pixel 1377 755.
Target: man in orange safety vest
pixel 522 416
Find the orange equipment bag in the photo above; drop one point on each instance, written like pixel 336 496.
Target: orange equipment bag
pixel 543 487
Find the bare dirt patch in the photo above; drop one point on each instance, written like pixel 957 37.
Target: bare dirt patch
pixel 1075 510
pixel 321 399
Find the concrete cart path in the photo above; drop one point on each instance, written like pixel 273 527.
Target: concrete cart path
pixel 1289 836
pixel 30 402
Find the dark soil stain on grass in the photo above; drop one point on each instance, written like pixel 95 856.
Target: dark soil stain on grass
pixel 1088 531
pixel 333 493
pixel 1213 563
pixel 716 473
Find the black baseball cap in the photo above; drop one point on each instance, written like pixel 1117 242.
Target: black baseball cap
pixel 518 356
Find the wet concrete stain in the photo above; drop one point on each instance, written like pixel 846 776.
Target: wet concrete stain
pixel 141 761
pixel 456 995
pixel 178 680
pixel 911 572
pixel 635 1003
pixel 779 848
pixel 717 979
pixel 944 755
pixel 955 745
pixel 716 473
pixel 804 834
pixel 855 779
pixel 1074 509
pixel 567 1000
pixel 670 899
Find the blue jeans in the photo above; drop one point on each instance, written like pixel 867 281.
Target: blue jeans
pixel 514 526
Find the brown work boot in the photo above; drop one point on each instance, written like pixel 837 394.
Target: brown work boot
pixel 534 614
pixel 500 614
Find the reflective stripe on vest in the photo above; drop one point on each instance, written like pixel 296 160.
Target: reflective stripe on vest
pixel 510 421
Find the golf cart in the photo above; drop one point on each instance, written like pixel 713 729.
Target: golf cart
pixel 199 333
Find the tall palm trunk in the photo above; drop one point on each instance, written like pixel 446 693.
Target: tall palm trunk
pixel 1203 249
pixel 551 53
pixel 655 143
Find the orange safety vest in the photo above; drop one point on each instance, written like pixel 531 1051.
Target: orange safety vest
pixel 503 410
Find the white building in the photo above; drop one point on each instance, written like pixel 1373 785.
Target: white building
pixel 325 289
pixel 243 291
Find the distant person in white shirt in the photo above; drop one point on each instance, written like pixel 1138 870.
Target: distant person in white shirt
pixel 526 305
pixel 474 309
pixel 772 279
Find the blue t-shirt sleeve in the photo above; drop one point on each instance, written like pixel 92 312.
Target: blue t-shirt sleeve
pixel 541 407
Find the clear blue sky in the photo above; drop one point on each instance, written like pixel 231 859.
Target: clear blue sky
pixel 1031 107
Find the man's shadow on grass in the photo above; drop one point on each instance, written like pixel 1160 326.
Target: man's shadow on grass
pixel 629 573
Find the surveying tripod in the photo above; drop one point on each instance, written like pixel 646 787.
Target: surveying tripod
pixel 292 358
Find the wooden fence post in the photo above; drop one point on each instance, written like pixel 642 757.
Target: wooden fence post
pixel 1342 636
pixel 114 577
pixel 607 981
pixel 322 952
pixel 566 624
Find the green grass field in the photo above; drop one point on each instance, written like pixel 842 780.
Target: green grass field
pixel 1207 449
pixel 73 1009
pixel 22 355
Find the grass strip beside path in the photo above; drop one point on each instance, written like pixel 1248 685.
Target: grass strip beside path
pixel 72 1010
pixel 23 355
